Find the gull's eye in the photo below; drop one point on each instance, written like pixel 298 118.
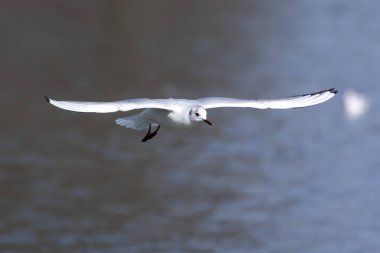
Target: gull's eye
pixel 197 114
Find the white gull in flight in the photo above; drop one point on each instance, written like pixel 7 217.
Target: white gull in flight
pixel 184 113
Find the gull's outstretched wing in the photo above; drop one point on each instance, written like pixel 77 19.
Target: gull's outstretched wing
pixel 105 107
pixel 279 103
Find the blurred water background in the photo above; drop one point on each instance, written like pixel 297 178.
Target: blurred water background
pixel 304 180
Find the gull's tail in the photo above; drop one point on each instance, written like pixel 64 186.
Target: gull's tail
pixel 136 122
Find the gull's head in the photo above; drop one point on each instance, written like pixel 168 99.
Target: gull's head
pixel 198 114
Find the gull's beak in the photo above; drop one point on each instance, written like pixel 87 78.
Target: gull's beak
pixel 208 122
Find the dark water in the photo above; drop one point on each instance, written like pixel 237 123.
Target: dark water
pixel 257 181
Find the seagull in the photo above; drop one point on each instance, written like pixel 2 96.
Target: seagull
pixel 184 113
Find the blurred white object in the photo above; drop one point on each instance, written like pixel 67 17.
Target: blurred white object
pixel 355 104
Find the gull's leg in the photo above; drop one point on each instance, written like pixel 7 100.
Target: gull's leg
pixel 150 135
pixel 155 132
pixel 147 136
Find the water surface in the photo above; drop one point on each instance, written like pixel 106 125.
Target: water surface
pixel 257 181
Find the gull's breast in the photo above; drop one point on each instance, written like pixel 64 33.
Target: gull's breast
pixel 174 119
pixel 179 120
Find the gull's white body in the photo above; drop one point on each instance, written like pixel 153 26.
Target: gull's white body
pixel 183 113
pixel 172 119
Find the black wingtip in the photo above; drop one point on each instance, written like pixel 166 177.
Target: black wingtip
pixel 332 90
pixel 47 99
